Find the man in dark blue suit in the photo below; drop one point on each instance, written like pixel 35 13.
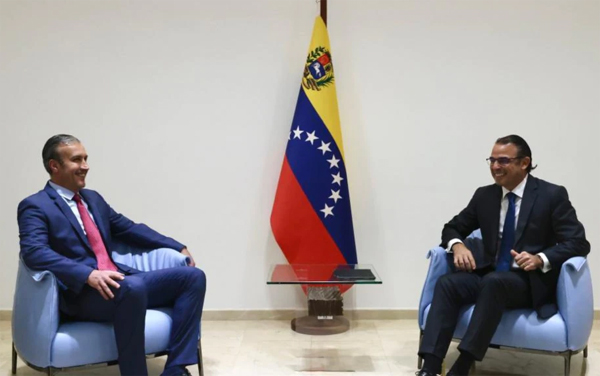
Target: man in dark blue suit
pixel 68 230
pixel 529 229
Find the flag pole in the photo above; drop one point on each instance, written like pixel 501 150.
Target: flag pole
pixel 324 10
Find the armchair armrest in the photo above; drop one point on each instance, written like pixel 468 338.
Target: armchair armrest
pixel 147 260
pixel 574 298
pixel 35 317
pixel 438 266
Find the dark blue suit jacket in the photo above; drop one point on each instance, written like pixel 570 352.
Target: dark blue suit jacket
pixel 52 238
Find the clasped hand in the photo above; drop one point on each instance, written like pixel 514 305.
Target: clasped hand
pixel 527 261
pixel 187 253
pixel 101 280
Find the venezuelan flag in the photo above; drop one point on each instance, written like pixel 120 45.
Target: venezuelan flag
pixel 311 217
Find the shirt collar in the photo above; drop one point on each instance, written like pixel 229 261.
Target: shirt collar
pixel 62 191
pixel 519 189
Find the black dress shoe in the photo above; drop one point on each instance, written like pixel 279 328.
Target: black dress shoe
pixel 425 373
pixel 184 372
pixel 453 373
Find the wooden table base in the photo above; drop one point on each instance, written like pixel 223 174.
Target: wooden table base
pixel 313 326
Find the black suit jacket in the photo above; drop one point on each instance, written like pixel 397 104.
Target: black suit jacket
pixel 547 223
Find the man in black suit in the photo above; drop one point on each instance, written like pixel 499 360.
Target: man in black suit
pixel 528 228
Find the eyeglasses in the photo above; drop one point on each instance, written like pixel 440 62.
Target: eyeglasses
pixel 502 161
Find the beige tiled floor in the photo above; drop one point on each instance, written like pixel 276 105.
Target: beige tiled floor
pixel 371 347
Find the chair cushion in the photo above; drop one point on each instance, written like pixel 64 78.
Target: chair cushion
pixel 82 342
pixel 520 328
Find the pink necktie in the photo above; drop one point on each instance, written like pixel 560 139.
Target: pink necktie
pixel 93 235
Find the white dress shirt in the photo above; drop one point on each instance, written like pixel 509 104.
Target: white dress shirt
pixel 67 195
pixel 518 191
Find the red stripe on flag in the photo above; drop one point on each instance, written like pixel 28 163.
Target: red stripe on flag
pixel 296 226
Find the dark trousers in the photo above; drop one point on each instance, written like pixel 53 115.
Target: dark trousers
pixel 492 292
pixel 182 288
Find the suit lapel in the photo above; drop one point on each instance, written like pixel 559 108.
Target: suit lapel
pixel 529 196
pixel 494 212
pixel 66 210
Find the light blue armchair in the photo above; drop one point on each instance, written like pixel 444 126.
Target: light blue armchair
pixel 46 344
pixel 565 334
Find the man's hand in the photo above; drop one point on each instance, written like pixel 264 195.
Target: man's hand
pixel 527 261
pixel 101 280
pixel 463 258
pixel 187 253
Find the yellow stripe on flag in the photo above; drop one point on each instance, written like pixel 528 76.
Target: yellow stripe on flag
pixel 324 97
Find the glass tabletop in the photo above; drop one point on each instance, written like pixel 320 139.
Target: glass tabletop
pixel 323 274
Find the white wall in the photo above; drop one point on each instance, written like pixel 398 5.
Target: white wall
pixel 185 107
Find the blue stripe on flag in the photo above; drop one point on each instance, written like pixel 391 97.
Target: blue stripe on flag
pixel 314 173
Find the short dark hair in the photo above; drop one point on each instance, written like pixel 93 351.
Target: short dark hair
pixel 523 149
pixel 50 150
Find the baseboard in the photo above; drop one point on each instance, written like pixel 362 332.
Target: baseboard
pixel 288 314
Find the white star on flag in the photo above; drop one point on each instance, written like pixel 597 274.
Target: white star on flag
pixel 311 137
pixel 327 210
pixel 333 162
pixel 297 132
pixel 337 179
pixel 324 147
pixel 335 195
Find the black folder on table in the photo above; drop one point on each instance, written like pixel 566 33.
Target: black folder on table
pixel 345 274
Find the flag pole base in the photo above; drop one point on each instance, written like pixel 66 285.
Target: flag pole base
pixel 325 312
pixel 320 326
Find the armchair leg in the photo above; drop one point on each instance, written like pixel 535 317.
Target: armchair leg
pixel 420 360
pixel 200 363
pixel 585 352
pixel 14 359
pixel 567 363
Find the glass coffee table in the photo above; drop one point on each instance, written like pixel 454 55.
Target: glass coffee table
pixel 324 285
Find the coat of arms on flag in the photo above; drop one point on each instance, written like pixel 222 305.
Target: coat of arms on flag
pixel 319 70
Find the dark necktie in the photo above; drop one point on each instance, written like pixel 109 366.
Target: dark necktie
pixel 93 235
pixel 508 236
